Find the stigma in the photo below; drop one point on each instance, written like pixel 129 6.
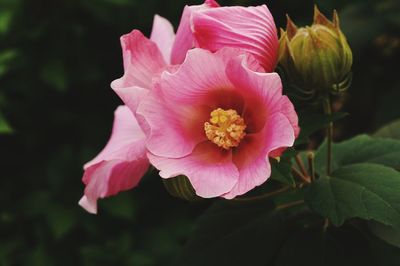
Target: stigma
pixel 225 128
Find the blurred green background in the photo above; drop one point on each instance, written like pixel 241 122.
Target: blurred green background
pixel 57 59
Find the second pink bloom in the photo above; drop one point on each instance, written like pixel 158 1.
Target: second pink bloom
pixel 217 120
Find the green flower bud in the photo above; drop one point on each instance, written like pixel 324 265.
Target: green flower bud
pixel 180 187
pixel 316 59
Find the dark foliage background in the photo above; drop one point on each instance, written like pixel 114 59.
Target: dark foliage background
pixel 57 59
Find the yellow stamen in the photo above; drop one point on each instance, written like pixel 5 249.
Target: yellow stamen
pixel 226 128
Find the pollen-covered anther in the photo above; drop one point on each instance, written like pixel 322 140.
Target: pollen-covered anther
pixel 226 128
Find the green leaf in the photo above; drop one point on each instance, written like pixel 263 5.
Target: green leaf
pixel 5 128
pixel 312 246
pixel 386 254
pixel 367 191
pixel 54 74
pixel 360 149
pixel 121 206
pixel 386 233
pixel 282 172
pixel 235 234
pixel 310 122
pixel 6 58
pixel 391 130
pixel 60 220
pixel 5 19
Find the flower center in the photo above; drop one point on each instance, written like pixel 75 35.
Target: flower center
pixel 226 128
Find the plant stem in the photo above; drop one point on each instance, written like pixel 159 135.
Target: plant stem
pixel 326 224
pixel 290 204
pixel 301 165
pixel 329 134
pixel 264 196
pixel 299 175
pixel 311 165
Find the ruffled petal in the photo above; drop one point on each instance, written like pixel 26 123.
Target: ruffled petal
pixel 180 103
pixel 126 131
pixel 262 92
pixel 131 96
pixel 108 178
pixel 201 73
pixel 209 169
pixel 263 97
pixel 163 35
pixel 251 29
pixel 184 40
pixel 120 165
pixel 251 157
pixel 287 108
pixel 142 61
pixel 173 132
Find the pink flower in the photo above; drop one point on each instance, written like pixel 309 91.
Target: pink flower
pixel 123 161
pixel 147 63
pixel 208 26
pixel 184 37
pixel 144 61
pixel 120 165
pixel 216 120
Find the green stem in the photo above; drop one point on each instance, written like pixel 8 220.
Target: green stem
pixel 299 175
pixel 264 196
pixel 326 224
pixel 290 204
pixel 301 165
pixel 311 165
pixel 329 134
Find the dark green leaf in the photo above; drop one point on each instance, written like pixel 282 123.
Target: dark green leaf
pixel 54 74
pixel 281 171
pixel 311 122
pixel 386 233
pixel 60 220
pixel 385 254
pixel 391 130
pixel 6 58
pixel 121 206
pixel 235 234
pixel 312 246
pixel 4 126
pixel 360 149
pixel 367 191
pixel 5 19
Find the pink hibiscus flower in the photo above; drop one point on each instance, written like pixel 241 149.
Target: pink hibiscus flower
pixel 211 27
pixel 216 120
pixel 120 165
pixel 123 161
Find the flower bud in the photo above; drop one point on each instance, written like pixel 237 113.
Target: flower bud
pixel 316 59
pixel 180 187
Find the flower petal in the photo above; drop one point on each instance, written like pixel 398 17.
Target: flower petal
pixel 108 178
pixel 209 169
pixel 251 157
pixel 269 99
pixel 120 165
pixel 126 131
pixel 132 96
pixel 184 40
pixel 163 35
pixel 177 124
pixel 174 132
pixel 142 61
pixel 261 91
pixel 251 29
pixel 192 80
